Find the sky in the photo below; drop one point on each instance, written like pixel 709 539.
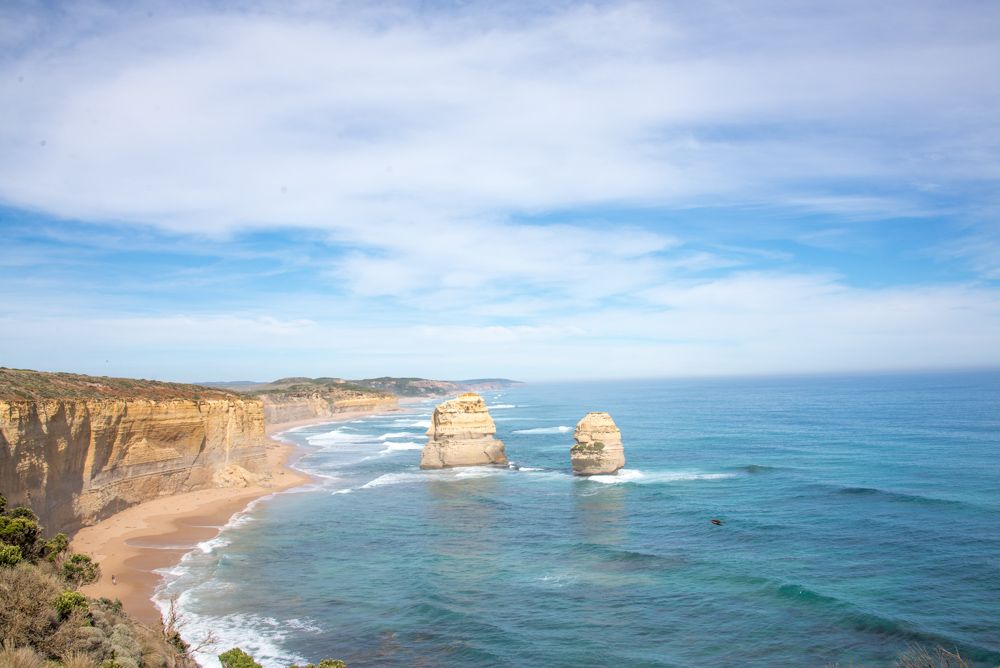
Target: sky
pixel 229 191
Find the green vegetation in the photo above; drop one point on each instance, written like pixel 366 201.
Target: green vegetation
pixel 325 663
pixel 22 384
pixel 45 622
pixel 237 658
pixel 68 601
pixel 400 387
pixel 79 569
pixel 588 448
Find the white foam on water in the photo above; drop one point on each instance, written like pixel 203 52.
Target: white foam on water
pixel 259 636
pixel 561 429
pixel 557 580
pixel 652 477
pixel 392 479
pixel 501 406
pixel 336 437
pixel 441 475
pixel 342 491
pixel 394 446
pixel 399 434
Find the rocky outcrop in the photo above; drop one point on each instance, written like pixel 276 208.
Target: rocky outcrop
pixel 76 461
pixel 281 408
pixel 598 446
pixel 461 434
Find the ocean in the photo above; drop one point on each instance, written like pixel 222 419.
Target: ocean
pixel 861 515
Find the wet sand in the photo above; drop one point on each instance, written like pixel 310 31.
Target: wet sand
pixel 133 544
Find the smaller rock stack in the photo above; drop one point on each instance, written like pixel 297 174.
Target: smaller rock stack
pixel 461 434
pixel 598 446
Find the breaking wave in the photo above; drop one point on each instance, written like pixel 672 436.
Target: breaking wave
pixel 561 429
pixel 638 477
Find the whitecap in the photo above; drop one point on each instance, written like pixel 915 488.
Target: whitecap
pixel 646 477
pixel 501 406
pixel 394 446
pixel 398 434
pixel 561 429
pixel 259 636
pixel 336 437
pixel 392 479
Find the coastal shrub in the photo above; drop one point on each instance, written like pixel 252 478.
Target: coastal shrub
pixel 78 660
pixel 44 617
pixel 19 657
pixel 79 569
pixel 113 605
pixel 237 658
pixel 939 657
pixel 128 651
pixel 78 634
pixel 23 532
pixel 23 512
pixel 27 616
pixel 10 555
pixel 68 601
pixel 55 546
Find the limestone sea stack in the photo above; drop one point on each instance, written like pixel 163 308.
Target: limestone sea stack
pixel 461 434
pixel 598 446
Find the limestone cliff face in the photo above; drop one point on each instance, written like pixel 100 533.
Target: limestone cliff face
pixel 282 408
pixel 461 434
pixel 77 461
pixel 598 446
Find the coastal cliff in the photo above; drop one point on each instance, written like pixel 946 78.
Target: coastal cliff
pixel 280 408
pixel 295 399
pixel 598 448
pixel 461 434
pixel 77 449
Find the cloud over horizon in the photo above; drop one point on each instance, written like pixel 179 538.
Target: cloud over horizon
pixel 672 188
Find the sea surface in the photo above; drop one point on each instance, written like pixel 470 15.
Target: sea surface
pixel 861 515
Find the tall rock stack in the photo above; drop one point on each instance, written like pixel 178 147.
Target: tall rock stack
pixel 461 434
pixel 598 446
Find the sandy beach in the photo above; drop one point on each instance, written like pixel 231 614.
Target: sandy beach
pixel 133 544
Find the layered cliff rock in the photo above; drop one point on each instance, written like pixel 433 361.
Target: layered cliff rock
pixel 461 434
pixel 78 449
pixel 281 408
pixel 598 446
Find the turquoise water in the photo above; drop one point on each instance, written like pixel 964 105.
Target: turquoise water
pixel 861 515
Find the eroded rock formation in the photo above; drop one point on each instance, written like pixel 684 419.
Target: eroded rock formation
pixel 598 446
pixel 77 461
pixel 461 434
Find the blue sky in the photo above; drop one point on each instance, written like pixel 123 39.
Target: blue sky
pixel 200 191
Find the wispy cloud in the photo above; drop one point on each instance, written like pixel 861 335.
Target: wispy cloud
pixel 707 186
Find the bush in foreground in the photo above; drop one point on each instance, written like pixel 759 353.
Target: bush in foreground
pixel 237 658
pixel 46 623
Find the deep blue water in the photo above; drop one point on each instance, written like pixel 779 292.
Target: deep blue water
pixel 861 515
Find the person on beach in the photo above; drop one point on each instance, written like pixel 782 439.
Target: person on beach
pixel 114 579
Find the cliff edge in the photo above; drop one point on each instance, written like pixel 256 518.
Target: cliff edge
pixel 77 449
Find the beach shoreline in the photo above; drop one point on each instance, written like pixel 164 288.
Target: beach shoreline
pixel 134 544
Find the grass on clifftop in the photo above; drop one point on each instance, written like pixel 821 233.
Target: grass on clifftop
pixel 25 384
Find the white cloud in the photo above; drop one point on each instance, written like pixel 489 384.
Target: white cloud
pixel 749 323
pixel 212 122
pixel 428 149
